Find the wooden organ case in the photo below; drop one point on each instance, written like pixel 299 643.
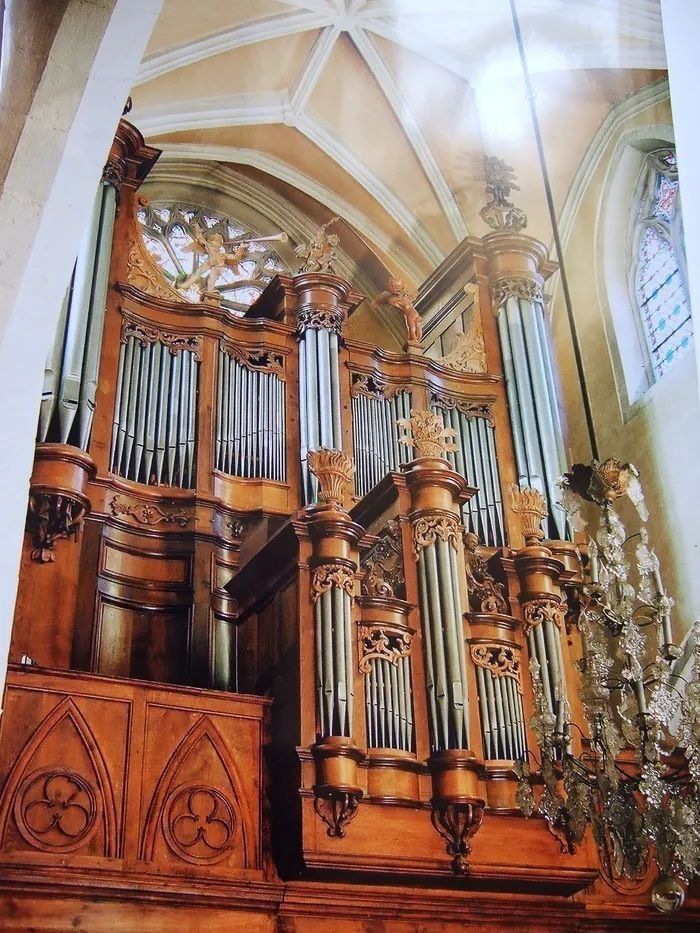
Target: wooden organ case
pixel 246 686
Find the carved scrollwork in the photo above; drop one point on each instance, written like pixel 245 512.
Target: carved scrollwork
pixel 147 514
pixel 55 810
pixel 337 808
pixel 382 642
pixel 51 518
pixel 369 385
pixel 457 822
pixel 146 334
pixel 485 595
pixel 427 529
pixel 320 317
pixel 263 361
pixel 516 286
pixel 383 564
pixel 329 575
pixel 143 274
pixel 500 660
pixel 199 824
pixel 536 611
pixel 426 433
pixel 472 408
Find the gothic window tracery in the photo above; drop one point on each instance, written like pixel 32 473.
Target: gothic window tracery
pixel 659 282
pixel 168 230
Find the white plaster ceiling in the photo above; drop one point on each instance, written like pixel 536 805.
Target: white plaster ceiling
pixel 401 96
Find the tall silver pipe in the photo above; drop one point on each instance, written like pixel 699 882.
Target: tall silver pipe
pixel 192 421
pixel 52 370
pixel 335 393
pixel 368 710
pixel 484 715
pixel 141 408
pixel 339 671
pixel 551 384
pixel 349 667
pixel 521 460
pixel 493 715
pixel 430 678
pixel 173 417
pixel 122 393
pixel 327 657
pixel 132 405
pixel 155 403
pixel 164 393
pixel 320 665
pixel 324 414
pixel 303 419
pixel 442 693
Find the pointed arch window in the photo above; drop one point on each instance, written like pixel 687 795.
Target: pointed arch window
pixel 659 285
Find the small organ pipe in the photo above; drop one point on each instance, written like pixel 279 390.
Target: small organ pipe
pixel 166 361
pixel 124 356
pixel 156 401
pixel 141 407
pixel 132 403
pixel 513 402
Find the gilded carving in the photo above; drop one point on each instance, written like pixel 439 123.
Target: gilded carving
pixel 146 334
pixel 383 564
pixel 499 660
pixel 320 317
pixel 334 471
pixel 516 286
pixel 536 611
pixel 500 213
pixel 468 353
pixel 400 297
pixel 329 575
pixel 531 508
pixel 199 823
pixel 50 518
pixel 147 514
pixel 485 595
pixel 468 406
pixel 321 254
pixel 426 432
pixel 379 642
pixel 264 361
pixel 143 274
pixel 55 809
pixel 428 528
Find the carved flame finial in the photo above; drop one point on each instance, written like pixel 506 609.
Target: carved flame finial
pixel 500 213
pixel 531 508
pixel 334 471
pixel 426 432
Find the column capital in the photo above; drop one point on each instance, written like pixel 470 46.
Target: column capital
pixel 518 266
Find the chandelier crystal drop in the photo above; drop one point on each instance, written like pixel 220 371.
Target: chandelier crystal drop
pixel 635 778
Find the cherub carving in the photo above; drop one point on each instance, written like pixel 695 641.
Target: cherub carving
pixel 322 253
pixel 205 276
pixel 398 296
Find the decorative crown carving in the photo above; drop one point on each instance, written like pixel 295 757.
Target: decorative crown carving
pixel 531 508
pixel 334 471
pixel 500 213
pixel 426 432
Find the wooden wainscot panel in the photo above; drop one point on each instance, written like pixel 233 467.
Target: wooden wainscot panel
pixel 109 774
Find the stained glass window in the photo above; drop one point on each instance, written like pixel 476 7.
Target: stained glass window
pixel 662 298
pixel 169 232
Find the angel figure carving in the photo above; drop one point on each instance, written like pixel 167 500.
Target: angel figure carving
pixel 398 296
pixel 322 253
pixel 207 273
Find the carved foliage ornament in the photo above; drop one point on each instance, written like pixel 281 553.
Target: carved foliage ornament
pixel 264 361
pixel 516 286
pixel 147 514
pixel 426 432
pixel 383 643
pixel 500 213
pixel 468 406
pixel 374 387
pixel 320 317
pixel 334 471
pixel 50 518
pixel 536 611
pixel 468 353
pixel 329 575
pixel 383 565
pixel 531 508
pixel 146 334
pixel 485 595
pixel 500 660
pixel 143 274
pixel 428 528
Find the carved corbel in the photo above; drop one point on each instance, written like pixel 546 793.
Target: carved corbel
pixel 50 518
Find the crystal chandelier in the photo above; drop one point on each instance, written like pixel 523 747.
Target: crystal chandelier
pixel 635 778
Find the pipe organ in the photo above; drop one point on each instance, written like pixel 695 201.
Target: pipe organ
pixel 280 596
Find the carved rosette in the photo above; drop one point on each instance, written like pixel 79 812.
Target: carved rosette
pixel 536 611
pixel 50 518
pixel 427 529
pixel 500 660
pixel 261 361
pixel 199 824
pixel 320 317
pixel 329 575
pixel 381 642
pixel 531 508
pixel 147 513
pixel 56 810
pixel 485 594
pixel 334 471
pixel 427 434
pixel 383 565
pixel 516 286
pixel 146 334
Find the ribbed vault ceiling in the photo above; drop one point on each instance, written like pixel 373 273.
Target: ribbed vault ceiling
pixel 380 110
